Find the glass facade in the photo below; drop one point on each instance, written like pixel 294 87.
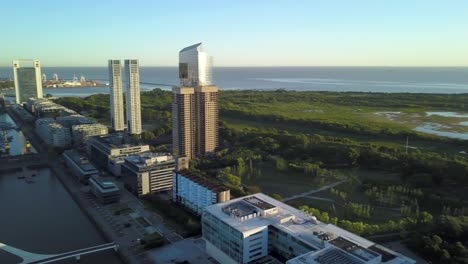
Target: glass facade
pixel 223 236
pixel 28 82
pixel 195 67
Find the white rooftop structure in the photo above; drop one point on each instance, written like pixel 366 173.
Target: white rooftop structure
pixel 147 159
pixel 310 240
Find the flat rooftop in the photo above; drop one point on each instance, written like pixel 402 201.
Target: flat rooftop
pixel 149 159
pixel 104 185
pixel 80 161
pixel 239 209
pixel 203 181
pixel 259 210
pixel 258 203
pixel 326 256
pixel 118 140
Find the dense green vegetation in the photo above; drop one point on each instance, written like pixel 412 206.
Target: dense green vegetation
pixel 153 240
pixel 284 143
pixel 183 222
pixel 442 240
pixel 366 229
pixel 156 109
pixel 121 209
pixel 6 84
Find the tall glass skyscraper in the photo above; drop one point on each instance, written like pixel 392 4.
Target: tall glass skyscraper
pixel 132 97
pixel 28 82
pixel 195 66
pixel 195 105
pixel 116 95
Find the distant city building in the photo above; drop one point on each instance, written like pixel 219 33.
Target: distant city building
pixel 22 113
pixel 79 165
pixel 43 107
pixel 75 119
pixel 195 105
pixel 28 82
pixel 132 99
pixel 257 227
pixel 104 149
pixel 104 189
pixel 81 133
pixel 116 95
pixel 148 172
pixel 197 192
pixel 52 133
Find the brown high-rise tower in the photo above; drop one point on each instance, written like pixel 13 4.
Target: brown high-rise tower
pixel 206 113
pixel 183 122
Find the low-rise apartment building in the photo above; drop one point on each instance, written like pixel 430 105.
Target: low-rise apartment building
pixel 196 192
pixel 104 189
pixel 53 133
pixel 81 133
pixel 79 165
pixel 148 172
pixel 105 148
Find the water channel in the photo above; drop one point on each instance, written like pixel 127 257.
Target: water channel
pixel 41 216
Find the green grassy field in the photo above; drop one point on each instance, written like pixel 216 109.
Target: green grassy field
pixel 284 183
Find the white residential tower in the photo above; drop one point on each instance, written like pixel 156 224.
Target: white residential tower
pixel 132 97
pixel 116 95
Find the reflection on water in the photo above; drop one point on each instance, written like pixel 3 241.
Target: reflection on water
pixel 433 128
pixel 447 114
pixel 18 140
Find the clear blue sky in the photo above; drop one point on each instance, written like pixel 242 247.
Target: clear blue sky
pixel 237 33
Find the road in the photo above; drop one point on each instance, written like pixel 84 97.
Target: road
pixel 305 194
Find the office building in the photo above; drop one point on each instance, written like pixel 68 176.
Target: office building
pixel 79 165
pixel 197 192
pixel 104 189
pixel 148 172
pixel 81 133
pixel 104 149
pixel 28 82
pixel 116 95
pixel 132 97
pixel 52 133
pixel 195 105
pixel 252 228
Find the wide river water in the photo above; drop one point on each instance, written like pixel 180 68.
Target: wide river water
pixel 41 217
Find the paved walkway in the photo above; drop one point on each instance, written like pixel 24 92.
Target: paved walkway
pixel 190 249
pixel 320 199
pixel 305 194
